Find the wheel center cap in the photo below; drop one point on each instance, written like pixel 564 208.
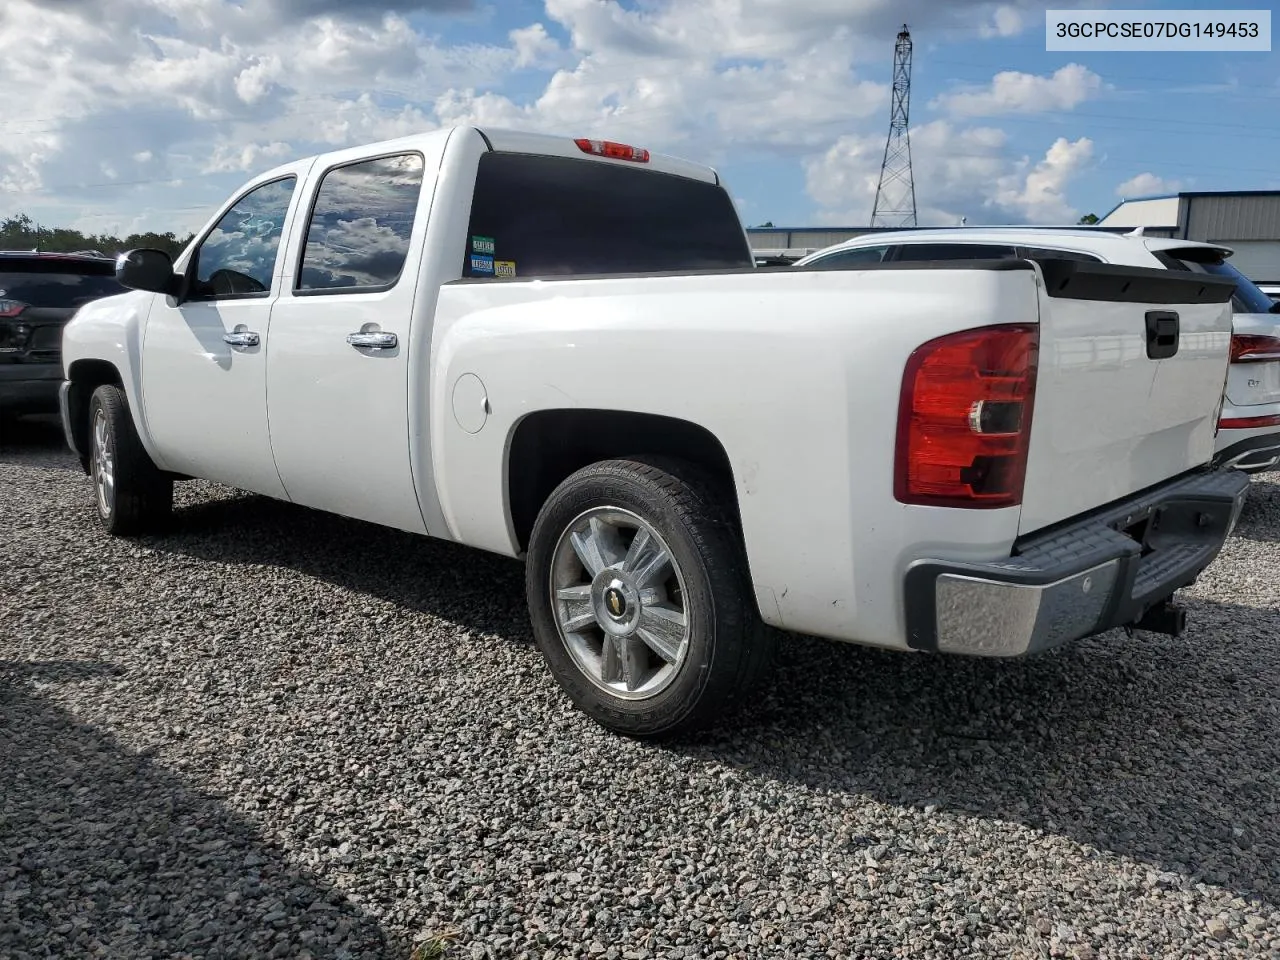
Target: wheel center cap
pixel 615 603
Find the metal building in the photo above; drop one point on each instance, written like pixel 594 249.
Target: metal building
pixel 1248 221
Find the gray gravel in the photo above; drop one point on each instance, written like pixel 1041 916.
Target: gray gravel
pixel 273 733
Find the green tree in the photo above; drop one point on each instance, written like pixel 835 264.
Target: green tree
pixel 1089 218
pixel 20 232
pixel 767 223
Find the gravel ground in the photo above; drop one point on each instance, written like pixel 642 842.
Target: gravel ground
pixel 273 733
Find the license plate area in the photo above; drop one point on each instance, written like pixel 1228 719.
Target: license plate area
pixel 1251 384
pixel 47 337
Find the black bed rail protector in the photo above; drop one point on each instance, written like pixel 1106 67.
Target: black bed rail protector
pixel 1116 283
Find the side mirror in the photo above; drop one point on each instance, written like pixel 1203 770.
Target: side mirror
pixel 147 269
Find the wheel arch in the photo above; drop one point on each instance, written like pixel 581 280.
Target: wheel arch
pixel 83 377
pixel 547 446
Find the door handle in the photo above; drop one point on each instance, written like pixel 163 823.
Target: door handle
pixel 1162 334
pixel 245 339
pixel 373 341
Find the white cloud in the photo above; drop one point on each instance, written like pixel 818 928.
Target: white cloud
pixel 1013 92
pixel 957 172
pixel 163 91
pixel 1040 192
pixel 1005 22
pixel 534 47
pixel 252 156
pixel 1146 185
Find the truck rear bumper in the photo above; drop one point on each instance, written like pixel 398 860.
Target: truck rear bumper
pixel 1252 451
pixel 1081 578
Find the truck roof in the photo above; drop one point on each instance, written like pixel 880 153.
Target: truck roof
pixel 1098 241
pixel 520 141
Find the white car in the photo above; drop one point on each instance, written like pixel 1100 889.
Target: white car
pixel 1249 429
pixel 561 350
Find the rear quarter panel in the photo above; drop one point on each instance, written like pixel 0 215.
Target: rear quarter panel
pixel 798 375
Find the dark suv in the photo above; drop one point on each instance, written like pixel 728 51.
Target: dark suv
pixel 39 293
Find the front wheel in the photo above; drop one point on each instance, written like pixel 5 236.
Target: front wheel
pixel 640 599
pixel 131 493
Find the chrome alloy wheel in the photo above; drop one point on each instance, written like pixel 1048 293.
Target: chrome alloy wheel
pixel 619 601
pixel 104 475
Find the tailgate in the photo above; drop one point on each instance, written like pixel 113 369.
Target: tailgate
pixel 1132 367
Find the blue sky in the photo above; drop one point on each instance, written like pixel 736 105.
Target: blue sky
pixel 148 117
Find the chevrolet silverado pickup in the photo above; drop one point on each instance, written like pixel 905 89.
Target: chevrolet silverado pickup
pixel 561 350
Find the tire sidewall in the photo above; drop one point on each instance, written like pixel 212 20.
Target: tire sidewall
pixel 667 708
pixel 96 404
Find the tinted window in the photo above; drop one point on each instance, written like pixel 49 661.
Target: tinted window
pixel 358 236
pixel 953 251
pixel 845 259
pixel 59 284
pixel 1044 253
pixel 238 256
pixel 535 216
pixel 1248 298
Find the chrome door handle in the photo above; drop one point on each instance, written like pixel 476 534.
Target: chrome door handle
pixel 374 341
pixel 246 339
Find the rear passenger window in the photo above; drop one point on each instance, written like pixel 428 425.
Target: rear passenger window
pixel 1043 253
pixel 848 259
pixel 358 236
pixel 953 251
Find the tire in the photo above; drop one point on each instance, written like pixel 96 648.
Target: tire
pixel 633 685
pixel 138 497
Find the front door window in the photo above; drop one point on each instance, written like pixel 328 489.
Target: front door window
pixel 238 257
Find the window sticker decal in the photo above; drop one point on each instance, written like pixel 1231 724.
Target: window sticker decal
pixel 504 268
pixel 481 264
pixel 483 245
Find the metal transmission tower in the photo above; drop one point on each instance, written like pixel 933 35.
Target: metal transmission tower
pixel 896 193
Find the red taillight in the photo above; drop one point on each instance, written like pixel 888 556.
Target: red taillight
pixel 614 151
pixel 964 419
pixel 1254 348
pixel 1249 423
pixel 11 308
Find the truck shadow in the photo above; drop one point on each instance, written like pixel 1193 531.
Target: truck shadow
pixel 1163 750
pixel 104 852
pixel 413 572
pixel 35 441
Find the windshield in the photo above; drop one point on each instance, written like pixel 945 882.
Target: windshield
pixel 1248 298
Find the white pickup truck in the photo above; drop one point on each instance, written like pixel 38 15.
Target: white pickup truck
pixel 560 350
